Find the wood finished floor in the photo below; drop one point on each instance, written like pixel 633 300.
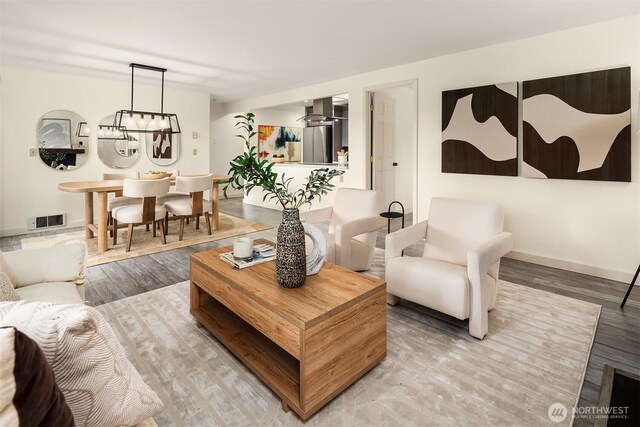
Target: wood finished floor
pixel 617 340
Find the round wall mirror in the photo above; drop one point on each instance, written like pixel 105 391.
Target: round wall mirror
pixel 63 139
pixel 163 148
pixel 117 148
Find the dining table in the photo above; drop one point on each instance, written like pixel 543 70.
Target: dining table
pixel 103 187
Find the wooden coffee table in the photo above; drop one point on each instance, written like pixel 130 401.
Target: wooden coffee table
pixel 307 344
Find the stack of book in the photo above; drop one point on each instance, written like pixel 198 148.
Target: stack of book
pixel 261 254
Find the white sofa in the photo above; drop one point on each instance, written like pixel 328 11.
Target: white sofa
pixel 51 274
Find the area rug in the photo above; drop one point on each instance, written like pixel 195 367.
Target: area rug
pixel 144 243
pixel 535 355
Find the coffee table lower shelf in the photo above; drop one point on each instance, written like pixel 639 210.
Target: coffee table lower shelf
pixel 273 365
pixel 329 366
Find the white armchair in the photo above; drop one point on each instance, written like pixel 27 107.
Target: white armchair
pixel 458 272
pixel 354 220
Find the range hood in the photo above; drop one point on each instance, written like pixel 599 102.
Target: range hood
pixel 322 112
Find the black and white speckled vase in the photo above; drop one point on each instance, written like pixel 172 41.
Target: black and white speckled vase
pixel 291 261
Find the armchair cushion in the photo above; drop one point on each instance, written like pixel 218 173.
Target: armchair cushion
pixel 458 226
pixel 60 263
pixel 353 203
pixel 439 285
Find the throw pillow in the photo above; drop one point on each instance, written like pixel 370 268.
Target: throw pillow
pixel 29 395
pixel 7 291
pixel 100 385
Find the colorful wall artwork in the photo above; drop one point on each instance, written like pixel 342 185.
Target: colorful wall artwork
pixel 480 130
pixel 578 126
pixel 279 140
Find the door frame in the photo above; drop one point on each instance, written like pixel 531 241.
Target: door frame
pixel 412 84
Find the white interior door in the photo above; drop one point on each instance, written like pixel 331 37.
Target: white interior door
pixel 384 144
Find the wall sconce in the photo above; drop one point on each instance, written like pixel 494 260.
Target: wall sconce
pixel 83 130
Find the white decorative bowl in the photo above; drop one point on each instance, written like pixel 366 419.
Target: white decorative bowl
pixel 147 175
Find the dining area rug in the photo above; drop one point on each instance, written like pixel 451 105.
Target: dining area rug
pixel 535 355
pixel 144 243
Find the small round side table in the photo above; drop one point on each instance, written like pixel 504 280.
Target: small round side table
pixel 389 214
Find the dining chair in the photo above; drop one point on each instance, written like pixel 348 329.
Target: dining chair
pixel 147 211
pixel 173 193
pixel 119 199
pixel 193 206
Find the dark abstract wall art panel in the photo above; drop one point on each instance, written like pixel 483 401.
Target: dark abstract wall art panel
pixel 480 130
pixel 578 126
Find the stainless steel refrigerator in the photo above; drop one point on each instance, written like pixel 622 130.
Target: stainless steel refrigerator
pixel 317 144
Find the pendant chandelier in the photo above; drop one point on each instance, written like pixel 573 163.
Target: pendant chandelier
pixel 135 121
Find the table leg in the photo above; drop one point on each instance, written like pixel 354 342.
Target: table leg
pixel 215 195
pixel 88 214
pixel 102 222
pixel 194 300
pixel 633 282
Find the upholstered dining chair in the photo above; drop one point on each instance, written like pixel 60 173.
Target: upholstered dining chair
pixel 147 211
pixel 458 272
pixel 119 199
pixel 194 205
pixel 173 193
pixel 354 220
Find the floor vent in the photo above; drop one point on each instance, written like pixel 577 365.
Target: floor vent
pixel 40 222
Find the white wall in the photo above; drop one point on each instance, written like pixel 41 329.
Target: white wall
pixel 582 225
pixel 29 188
pixel 224 146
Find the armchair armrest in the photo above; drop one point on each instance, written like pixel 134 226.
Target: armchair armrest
pixel 481 258
pixel 58 263
pixel 399 240
pixel 317 215
pixel 346 231
pixel 478 262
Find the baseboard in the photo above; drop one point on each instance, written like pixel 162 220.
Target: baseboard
pixel 604 273
pixel 232 195
pixel 24 230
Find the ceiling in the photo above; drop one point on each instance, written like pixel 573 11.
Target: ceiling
pixel 239 49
